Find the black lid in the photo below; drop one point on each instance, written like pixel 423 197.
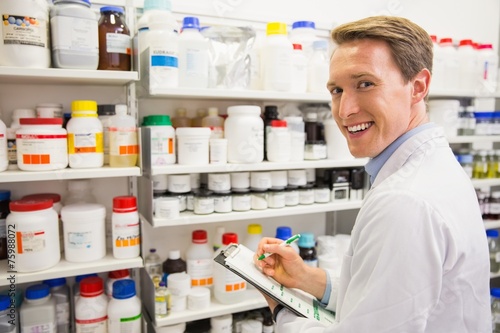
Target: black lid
pixel 271 111
pixel 106 110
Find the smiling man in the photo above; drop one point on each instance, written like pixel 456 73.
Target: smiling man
pixel 418 259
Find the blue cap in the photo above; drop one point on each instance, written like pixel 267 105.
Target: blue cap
pixel 303 24
pixel 307 240
pixel 320 44
pixel 492 233
pixel 191 23
pixel 495 292
pixel 283 232
pixel 4 195
pixel 55 282
pixel 112 9
pixel 158 4
pixel 37 291
pixel 4 302
pixel 79 278
pixel 123 289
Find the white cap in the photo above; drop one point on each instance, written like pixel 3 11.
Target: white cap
pixel 174 254
pixel 213 111
pixel 121 109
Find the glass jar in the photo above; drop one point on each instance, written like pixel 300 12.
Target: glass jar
pixel 242 201
pixel 114 40
pixel 204 203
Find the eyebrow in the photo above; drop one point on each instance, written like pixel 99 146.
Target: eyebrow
pixel 352 77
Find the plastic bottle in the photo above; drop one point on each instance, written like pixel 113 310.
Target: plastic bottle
pixel 299 70
pixel 4 211
pixel 115 45
pixel 451 68
pixel 79 191
pixel 73 22
pixel 162 139
pixel 199 257
pixel 200 114
pixel 276 59
pixel 228 287
pixel 283 233
pixel 85 136
pixel 193 55
pixel 152 263
pixel 124 309
pixel 253 236
pixel 7 323
pixel 270 113
pixel 279 142
pixel 307 249
pixel 495 309
pixel 494 249
pixel 214 122
pixel 317 68
pixel 104 112
pixel 180 119
pixel 4 159
pixel 125 227
pixel 76 287
pixel 467 62
pixel 60 292
pixel 123 145
pixel 487 68
pixel 304 33
pixel 22 21
pixel 174 263
pixel 218 237
pixel 113 276
pixel 244 131
pixel 162 301
pixel 438 64
pixel 297 137
pixel 38 311
pixel 91 308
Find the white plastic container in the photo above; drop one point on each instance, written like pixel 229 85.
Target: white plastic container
pixel 91 308
pixel 49 110
pixel 279 179
pixel 193 145
pixel 438 82
pixel 297 177
pixel 278 142
pixel 244 131
pixel 251 326
pixel 85 136
pixel 468 68
pixel 124 309
pixel 199 260
pixel 38 311
pixel 160 10
pixel 299 70
pixel 318 68
pixel 4 158
pixel 260 180
pixel 221 324
pixel 218 151
pixel 74 35
pixel 84 232
pixel 179 183
pixel 253 236
pixel 123 146
pixel 198 299
pixel 276 58
pixel 162 139
pixel 41 144
pixel 488 68
pixel 193 55
pixel 228 287
pixel 240 181
pixel 125 228
pixel 37 234
pixel 25 21
pixel 451 68
pixel 304 33
pixel 219 182
pixel 61 293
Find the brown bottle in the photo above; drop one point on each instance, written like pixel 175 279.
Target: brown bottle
pixel 114 40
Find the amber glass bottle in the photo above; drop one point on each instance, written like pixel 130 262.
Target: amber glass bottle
pixel 114 40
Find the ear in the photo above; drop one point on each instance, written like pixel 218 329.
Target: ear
pixel 421 84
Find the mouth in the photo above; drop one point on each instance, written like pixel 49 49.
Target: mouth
pixel 359 127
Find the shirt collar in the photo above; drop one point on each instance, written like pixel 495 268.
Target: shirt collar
pixel 375 164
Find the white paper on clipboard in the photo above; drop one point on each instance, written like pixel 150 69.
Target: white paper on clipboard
pixel 239 260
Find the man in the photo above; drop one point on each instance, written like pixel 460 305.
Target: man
pixel 418 259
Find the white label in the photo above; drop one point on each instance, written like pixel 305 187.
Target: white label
pixel 118 43
pixel 80 240
pixel 42 149
pixel 62 312
pixel 161 305
pixel 164 68
pixel 30 241
pixel 43 328
pixel 126 236
pixel 75 34
pixel 123 141
pixel 85 140
pixel 201 272
pixel 96 325
pixel 125 325
pixel 24 30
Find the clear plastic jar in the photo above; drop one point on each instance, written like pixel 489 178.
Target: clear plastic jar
pixel 114 40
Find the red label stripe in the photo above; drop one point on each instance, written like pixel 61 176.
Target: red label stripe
pixel 91 321
pixel 41 136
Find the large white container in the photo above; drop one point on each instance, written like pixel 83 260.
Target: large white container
pixel 125 228
pixel 193 145
pixel 199 260
pixel 193 55
pixel 228 287
pixel 451 68
pixel 244 131
pixel 85 136
pixel 162 139
pixel 75 37
pixel 41 144
pixel 25 21
pixel 299 70
pixel 160 10
pixel 278 142
pixel 318 68
pixel 37 234
pixel 124 309
pixel 123 146
pixel 488 69
pixel 84 232
pixel 304 33
pixel 91 308
pixel 276 58
pixel 297 137
pixel 38 311
pixel 467 62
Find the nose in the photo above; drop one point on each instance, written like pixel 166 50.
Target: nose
pixel 347 105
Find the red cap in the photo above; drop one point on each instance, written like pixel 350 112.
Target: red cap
pixel 229 237
pixel 199 237
pixel 118 274
pixel 446 40
pixel 29 205
pixel 41 121
pixel 53 196
pixel 485 46
pixel 278 123
pixel 466 42
pixel 434 38
pixel 124 204
pixel 91 286
pixel 297 46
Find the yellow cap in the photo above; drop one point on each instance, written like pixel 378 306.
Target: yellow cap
pixel 254 229
pixel 80 105
pixel 276 28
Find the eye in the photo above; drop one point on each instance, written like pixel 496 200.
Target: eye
pixel 365 84
pixel 335 90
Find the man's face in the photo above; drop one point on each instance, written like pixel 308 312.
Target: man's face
pixel 370 101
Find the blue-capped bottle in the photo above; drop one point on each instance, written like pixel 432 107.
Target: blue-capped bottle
pixel 283 233
pixel 307 249
pixel 193 55
pixel 124 309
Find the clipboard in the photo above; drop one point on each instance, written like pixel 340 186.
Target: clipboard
pixel 239 259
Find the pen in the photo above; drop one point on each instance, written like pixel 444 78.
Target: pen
pixel 285 243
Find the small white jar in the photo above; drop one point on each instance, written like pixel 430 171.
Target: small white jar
pixel 198 298
pixel 260 180
pixel 297 177
pixel 223 203
pixel 219 182
pixel 291 196
pixel 244 131
pixel 276 199
pixel 322 194
pixel 279 180
pixel 306 195
pixel 41 144
pixel 179 183
pixel 259 200
pixel 204 203
pixel 242 201
pixel 193 145
pixel 240 181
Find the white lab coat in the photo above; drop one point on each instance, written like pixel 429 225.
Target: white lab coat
pixel 418 260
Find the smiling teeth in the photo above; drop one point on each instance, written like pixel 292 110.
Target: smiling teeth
pixel 358 128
